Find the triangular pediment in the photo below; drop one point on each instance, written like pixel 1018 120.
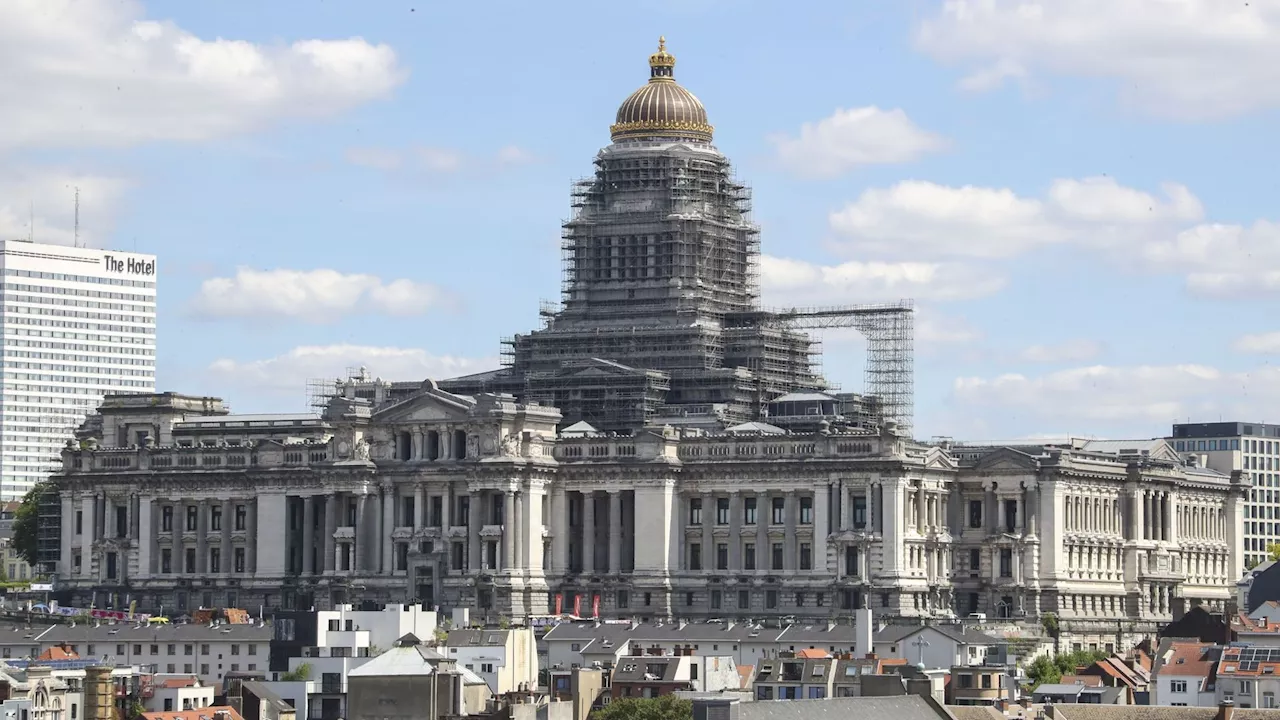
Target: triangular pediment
pixel 1163 450
pixel 428 405
pixel 1006 459
pixel 938 458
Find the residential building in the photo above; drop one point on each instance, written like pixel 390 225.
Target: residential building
pixel 214 712
pixel 1246 677
pixel 78 324
pixel 980 685
pixel 902 707
pixel 171 693
pixel 1059 693
pixel 936 646
pixel 1260 628
pixel 794 678
pixel 410 680
pixel 507 659
pixel 1250 448
pixel 1184 673
pixel 653 676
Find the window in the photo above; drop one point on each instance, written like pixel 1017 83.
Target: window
pixel 779 511
pixel 695 556
pixel 749 556
pixel 215 560
pixel 188 649
pixel 204 648
pixel 155 649
pixel 799 599
pixel 715 599
pixel 859 512
pixel 253 649
pixel 193 518
pixel 806 510
pixel 623 600
pixel 235 649
pixel 190 565
pixel 851 561
pixel 688 599
pixel 975 562
pixel 986 682
pixel 238 555
pixel 771 599
pixel 166 560
pixel 975 513
pixel 744 600
pixel 722 556
pixel 749 511
pixel 1010 515
pixel 806 556
pixel 215 518
pixel 79 522
pixel 204 669
pixel 137 649
pixel 486 668
pixel 166 518
pixel 722 511
pixel 777 556
pixel 241 514
pixel 695 511
pixel 1006 562
pixel 120 650
pixel 171 649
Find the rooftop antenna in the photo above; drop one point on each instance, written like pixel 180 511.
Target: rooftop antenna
pixel 77 231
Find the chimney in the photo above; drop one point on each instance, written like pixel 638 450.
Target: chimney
pixel 1226 710
pixel 862 632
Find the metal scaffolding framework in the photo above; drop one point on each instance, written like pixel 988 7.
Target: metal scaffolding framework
pixel 890 332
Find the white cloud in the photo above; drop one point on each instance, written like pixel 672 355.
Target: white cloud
pixel 1222 261
pixel 1258 344
pixel 1076 350
pixel 1139 401
pixel 288 373
pixel 923 219
pixel 851 138
pixel 98 73
pixel 1186 58
pixel 50 194
pixel 786 282
pixel 433 160
pixel 311 295
pixel 935 331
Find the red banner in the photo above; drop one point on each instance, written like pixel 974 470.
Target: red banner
pixel 595 606
pixel 577 606
pixel 559 603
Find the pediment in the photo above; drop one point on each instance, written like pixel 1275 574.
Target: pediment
pixel 425 407
pixel 1007 459
pixel 1163 450
pixel 939 459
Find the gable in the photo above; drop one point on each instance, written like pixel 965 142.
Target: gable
pixel 426 406
pixel 1007 459
pixel 1162 450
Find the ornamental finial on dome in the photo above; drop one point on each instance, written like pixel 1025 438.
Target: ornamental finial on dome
pixel 661 62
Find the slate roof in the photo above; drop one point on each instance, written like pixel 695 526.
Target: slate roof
pixel 477 638
pixel 800 670
pixel 1059 689
pixel 126 633
pixel 1155 712
pixel 975 712
pixel 645 669
pixel 400 661
pixel 800 636
pixel 959 633
pixel 905 707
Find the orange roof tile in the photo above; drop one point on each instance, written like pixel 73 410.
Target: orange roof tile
pixel 58 653
pixel 204 713
pixel 1188 659
pixel 180 682
pixel 812 654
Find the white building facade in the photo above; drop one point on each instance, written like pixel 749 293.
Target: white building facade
pixel 78 324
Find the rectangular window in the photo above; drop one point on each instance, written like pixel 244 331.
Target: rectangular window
pixel 166 561
pixel 437 511
pixel 722 511
pixel 623 600
pixel 79 522
pixel 1178 686
pixel 806 510
pixel 806 556
pixel 777 556
pixel 749 556
pixel 771 599
pixel 464 511
pixel 193 518
pixel 1006 563
pixel 407 511
pixel 722 556
pixel 688 599
pixel 241 514
pixel 851 561
pixel 166 518
pixel 238 554
pixel 695 556
pixel 779 510
pixel 975 513
pixel 715 599
pixel 975 561
pixel 695 511
pixel 215 517
pixel 190 564
pixel 744 600
pixel 749 511
pixel 859 512
pixel 215 560
pixel 1010 515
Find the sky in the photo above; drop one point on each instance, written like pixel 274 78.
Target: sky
pixel 1079 195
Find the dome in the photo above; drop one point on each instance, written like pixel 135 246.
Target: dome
pixel 661 108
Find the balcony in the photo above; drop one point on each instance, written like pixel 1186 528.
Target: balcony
pixel 317 713
pixel 332 687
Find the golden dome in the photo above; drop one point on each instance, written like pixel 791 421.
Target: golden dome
pixel 661 108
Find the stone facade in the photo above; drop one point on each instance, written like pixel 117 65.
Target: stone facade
pixel 480 502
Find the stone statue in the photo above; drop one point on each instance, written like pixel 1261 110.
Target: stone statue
pixel 511 445
pixel 362 449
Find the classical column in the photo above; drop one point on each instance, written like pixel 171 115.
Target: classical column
pixel 146 538
pixel 764 557
pixel 251 535
pixel 735 531
pixel 615 532
pixel 789 553
pixel 708 522
pixel 225 560
pixel 415 444
pixel 450 508
pixel 521 562
pixel 330 527
pixel 360 556
pixel 922 513
pixel 559 516
pixel 202 537
pixel 821 529
pixel 420 507
pixel 178 561
pixel 386 522
pixel 473 531
pixel 508 531
pixel 867 524
pixel 308 534
pixel 588 532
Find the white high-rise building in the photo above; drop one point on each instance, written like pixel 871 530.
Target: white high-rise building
pixel 77 323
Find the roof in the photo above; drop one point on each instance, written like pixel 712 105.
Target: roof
pixel 904 707
pixel 179 682
pixel 468 637
pixel 1085 680
pixel 58 653
pixel 177 632
pixel 400 661
pixel 1154 712
pixel 975 712
pixel 204 713
pixel 803 397
pixel 813 653
pixel 582 427
pixel 838 636
pixel 640 669
pixel 756 427
pixel 959 633
pixel 1059 689
pixel 1188 659
pixel 1261 624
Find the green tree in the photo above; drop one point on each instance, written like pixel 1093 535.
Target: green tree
pixel 302 673
pixel 666 707
pixel 1045 669
pixel 25 524
pixel 1273 552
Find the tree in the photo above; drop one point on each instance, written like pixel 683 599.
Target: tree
pixel 1045 669
pixel 666 707
pixel 1273 552
pixel 302 673
pixel 25 523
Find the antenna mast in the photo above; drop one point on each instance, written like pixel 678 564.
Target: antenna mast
pixel 76 242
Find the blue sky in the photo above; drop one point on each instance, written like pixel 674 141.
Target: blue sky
pixel 1078 194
